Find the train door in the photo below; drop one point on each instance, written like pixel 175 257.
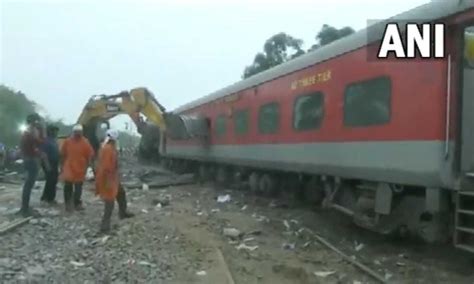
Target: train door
pixel 467 99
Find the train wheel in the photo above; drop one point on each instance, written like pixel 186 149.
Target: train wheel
pixel 237 180
pixel 313 191
pixel 268 185
pixel 203 174
pixel 254 179
pixel 222 176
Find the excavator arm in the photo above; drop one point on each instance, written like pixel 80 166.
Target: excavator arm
pixel 101 108
pixel 137 101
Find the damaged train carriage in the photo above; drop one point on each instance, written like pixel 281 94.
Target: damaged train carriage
pixel 389 143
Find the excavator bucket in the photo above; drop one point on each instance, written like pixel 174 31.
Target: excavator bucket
pixel 181 127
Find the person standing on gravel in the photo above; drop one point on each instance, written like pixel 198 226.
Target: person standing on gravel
pixel 31 154
pixel 50 147
pixel 107 181
pixel 76 154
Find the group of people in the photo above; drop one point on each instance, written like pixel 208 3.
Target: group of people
pixel 69 163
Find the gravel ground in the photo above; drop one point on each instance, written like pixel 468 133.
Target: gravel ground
pixel 178 235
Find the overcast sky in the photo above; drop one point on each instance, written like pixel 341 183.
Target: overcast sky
pixel 61 52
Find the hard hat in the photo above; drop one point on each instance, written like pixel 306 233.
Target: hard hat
pixel 77 127
pixel 112 134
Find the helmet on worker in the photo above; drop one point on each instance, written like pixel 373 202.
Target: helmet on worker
pixel 112 135
pixel 77 131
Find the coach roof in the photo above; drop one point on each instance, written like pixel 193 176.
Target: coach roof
pixel 434 10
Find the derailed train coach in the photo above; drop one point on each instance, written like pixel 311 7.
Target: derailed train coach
pixel 390 143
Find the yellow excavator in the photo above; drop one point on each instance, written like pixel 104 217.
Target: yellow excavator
pixel 136 102
pixel 101 108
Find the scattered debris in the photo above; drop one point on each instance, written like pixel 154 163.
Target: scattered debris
pixel 359 247
pixel 76 263
pixel 215 210
pixel 260 218
pixel 201 273
pixel 162 202
pixel 146 263
pixel 287 225
pixel 90 174
pixel 324 274
pixel 243 208
pixel 145 187
pixel 289 246
pixel 232 232
pixel 145 211
pixel 104 239
pixel 254 233
pixel 388 276
pixel 246 247
pixel 223 198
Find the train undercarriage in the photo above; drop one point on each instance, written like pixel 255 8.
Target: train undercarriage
pixel 389 209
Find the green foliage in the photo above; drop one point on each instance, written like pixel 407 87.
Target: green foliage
pixel 276 50
pixel 282 47
pixel 329 34
pixel 14 107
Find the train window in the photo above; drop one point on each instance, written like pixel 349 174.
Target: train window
pixel 269 118
pixel 308 111
pixel 220 125
pixel 241 121
pixel 367 103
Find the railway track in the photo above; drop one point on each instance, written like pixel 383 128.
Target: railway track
pixel 10 226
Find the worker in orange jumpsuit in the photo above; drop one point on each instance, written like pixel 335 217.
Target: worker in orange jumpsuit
pixel 107 180
pixel 76 154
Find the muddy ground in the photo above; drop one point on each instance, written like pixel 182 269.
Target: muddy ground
pixel 177 236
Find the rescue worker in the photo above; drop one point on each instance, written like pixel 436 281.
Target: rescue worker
pixel 107 181
pixel 51 149
pixel 76 155
pixel 29 147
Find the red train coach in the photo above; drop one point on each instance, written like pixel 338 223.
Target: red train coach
pixel 388 142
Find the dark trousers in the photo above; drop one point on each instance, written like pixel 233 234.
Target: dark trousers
pixel 72 194
pixel 31 168
pixel 109 208
pixel 49 190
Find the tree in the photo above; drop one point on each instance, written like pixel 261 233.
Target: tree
pixel 329 34
pixel 276 50
pixel 14 108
